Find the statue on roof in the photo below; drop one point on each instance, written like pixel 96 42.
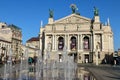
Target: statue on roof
pixel 73 7
pixel 96 11
pixel 50 13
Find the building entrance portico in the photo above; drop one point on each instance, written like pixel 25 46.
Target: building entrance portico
pixel 84 57
pixel 80 35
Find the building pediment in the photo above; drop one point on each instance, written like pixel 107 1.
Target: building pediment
pixel 73 18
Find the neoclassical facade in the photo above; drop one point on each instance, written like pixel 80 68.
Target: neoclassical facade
pixel 10 38
pixel 86 39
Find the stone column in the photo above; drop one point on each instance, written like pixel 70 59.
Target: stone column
pixel 109 46
pixel 78 42
pixel 96 53
pixel 94 45
pixel 40 43
pixel 0 50
pixel 91 45
pixel 102 42
pixel 45 42
pixel 81 43
pixel 112 43
pixel 68 45
pixel 65 41
pixel 53 43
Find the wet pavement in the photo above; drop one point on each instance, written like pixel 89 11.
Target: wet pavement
pixel 81 73
pixel 103 72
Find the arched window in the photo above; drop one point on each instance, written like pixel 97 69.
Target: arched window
pixel 86 43
pixel 73 43
pixel 60 43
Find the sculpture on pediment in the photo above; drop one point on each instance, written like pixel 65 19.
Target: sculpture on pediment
pixel 73 7
pixel 96 11
pixel 50 13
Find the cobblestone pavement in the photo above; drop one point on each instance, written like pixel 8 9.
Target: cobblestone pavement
pixel 104 72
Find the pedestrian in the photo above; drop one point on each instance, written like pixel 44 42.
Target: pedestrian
pixel 30 60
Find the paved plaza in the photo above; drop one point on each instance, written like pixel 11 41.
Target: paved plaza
pixel 101 72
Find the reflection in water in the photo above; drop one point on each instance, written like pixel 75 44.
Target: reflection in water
pixel 55 74
pixel 48 69
pixel 83 74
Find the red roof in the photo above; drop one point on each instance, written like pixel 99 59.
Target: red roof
pixel 33 39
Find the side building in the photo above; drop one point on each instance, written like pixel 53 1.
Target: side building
pixel 32 45
pixel 119 52
pixel 10 38
pixel 89 40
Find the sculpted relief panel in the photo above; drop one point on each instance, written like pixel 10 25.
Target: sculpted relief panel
pixel 74 19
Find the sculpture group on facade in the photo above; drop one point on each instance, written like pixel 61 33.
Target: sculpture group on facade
pixel 96 11
pixel 73 7
pixel 50 13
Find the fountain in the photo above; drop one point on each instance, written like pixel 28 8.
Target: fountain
pixel 39 66
pixel 46 68
pixel 23 74
pixel 8 66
